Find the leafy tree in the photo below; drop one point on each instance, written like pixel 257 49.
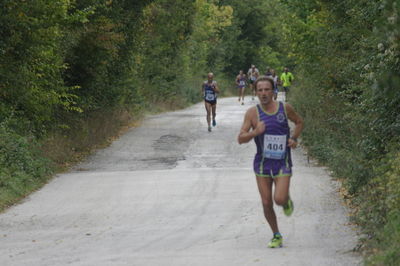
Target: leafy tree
pixel 31 61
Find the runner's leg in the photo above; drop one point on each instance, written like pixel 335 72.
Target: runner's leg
pixel 214 113
pixel 281 193
pixel 242 93
pixel 265 188
pixel 208 115
pixel 285 94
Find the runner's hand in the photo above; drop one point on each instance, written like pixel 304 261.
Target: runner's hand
pixel 260 128
pixel 292 143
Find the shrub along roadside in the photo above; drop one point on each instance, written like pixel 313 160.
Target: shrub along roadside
pixel 348 92
pixel 379 204
pixel 22 167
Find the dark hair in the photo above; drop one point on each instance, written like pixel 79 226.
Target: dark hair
pixel 264 78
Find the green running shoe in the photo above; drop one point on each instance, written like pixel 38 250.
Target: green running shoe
pixel 214 123
pixel 275 242
pixel 288 208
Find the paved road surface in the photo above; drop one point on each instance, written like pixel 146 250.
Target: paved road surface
pixel 170 193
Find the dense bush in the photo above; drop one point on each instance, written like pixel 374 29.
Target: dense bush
pixel 348 64
pixel 22 167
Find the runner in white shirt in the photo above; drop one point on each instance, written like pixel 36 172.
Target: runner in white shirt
pixel 253 74
pixel 272 74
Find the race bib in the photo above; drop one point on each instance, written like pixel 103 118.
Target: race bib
pixel 210 96
pixel 253 78
pixel 275 146
pixel 242 83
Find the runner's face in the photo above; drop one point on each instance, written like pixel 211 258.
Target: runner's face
pixel 265 92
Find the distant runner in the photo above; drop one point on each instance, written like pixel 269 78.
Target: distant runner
pixel 275 78
pixel 252 75
pixel 268 72
pixel 241 84
pixel 267 124
pixel 209 90
pixel 287 79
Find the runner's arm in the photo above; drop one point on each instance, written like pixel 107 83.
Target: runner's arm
pixel 291 77
pixel 215 88
pixel 245 134
pixel 299 124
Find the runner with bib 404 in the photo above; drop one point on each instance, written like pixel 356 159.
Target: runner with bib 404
pixel 267 123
